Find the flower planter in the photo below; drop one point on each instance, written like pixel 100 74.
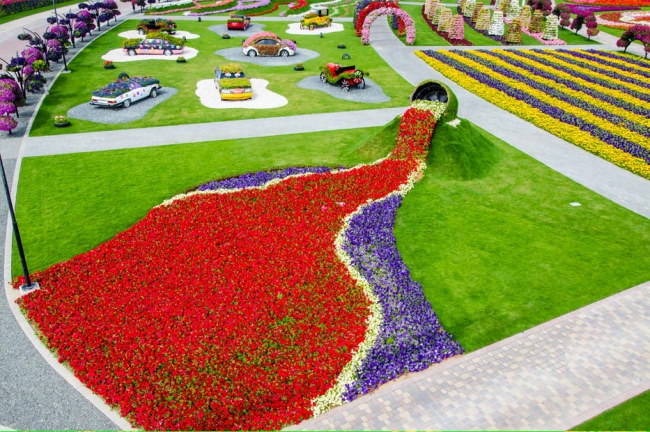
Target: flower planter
pixel 61 125
pixel 299 68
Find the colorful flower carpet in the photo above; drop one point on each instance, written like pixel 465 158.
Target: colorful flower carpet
pixel 594 99
pixel 253 302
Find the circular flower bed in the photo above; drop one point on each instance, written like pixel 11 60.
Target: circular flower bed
pixel 624 20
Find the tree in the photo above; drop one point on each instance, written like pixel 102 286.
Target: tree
pixel 577 23
pixel 546 6
pixel 636 32
pixel 592 25
pixel 25 70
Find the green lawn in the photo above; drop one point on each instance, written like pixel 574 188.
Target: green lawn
pixel 185 107
pixel 61 8
pixel 488 231
pixel 630 415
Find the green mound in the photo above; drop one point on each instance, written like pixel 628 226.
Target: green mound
pixel 382 142
pixel 461 152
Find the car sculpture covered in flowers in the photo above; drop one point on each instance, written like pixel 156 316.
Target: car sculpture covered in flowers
pixel 318 17
pixel 232 83
pixel 153 46
pixel 158 25
pixel 238 22
pixel 268 44
pixel 124 91
pixel 345 76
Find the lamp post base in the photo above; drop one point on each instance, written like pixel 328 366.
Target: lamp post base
pixel 24 289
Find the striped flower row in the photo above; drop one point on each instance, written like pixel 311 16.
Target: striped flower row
pixel 570 122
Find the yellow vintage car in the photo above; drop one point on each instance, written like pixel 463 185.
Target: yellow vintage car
pixel 316 18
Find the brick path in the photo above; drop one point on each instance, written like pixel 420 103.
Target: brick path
pixel 553 376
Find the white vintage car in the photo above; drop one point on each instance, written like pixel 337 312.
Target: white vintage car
pixel 125 91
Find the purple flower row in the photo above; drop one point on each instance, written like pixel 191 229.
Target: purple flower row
pixel 576 61
pixel 259 178
pixel 616 141
pixel 589 78
pixel 410 338
pixel 636 109
pixel 630 59
pixel 591 57
pixel 587 9
pixel 557 94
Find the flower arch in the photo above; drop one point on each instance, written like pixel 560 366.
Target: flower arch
pixel 369 8
pixel 399 13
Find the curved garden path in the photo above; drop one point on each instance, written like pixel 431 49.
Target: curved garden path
pixel 553 376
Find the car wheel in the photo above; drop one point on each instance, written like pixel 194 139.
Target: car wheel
pixel 311 27
pixel 127 103
pixel 346 86
pixel 323 78
pixel 302 27
pixel 141 32
pixel 168 52
pixel 131 52
pixel 284 53
pixel 153 93
pixel 329 23
pixel 362 84
pixel 251 53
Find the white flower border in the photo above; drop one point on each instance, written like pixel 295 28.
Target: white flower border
pixel 168 4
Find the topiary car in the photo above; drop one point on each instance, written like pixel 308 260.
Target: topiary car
pixel 238 22
pixel 152 46
pixel 126 90
pixel 345 76
pixel 232 83
pixel 160 24
pixel 268 44
pixel 318 17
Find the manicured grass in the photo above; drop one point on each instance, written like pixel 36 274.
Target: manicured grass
pixel 488 231
pixel 630 415
pixel 96 195
pixel 491 236
pixel 62 5
pixel 571 38
pixel 615 32
pixel 185 107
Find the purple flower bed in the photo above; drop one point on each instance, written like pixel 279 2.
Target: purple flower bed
pixel 584 65
pixel 551 91
pixel 636 109
pixel 629 59
pixel 259 178
pixel 411 337
pixel 589 78
pixel 591 57
pixel 619 142
pixel 587 9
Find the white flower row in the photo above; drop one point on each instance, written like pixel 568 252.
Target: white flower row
pixel 176 3
pixel 435 107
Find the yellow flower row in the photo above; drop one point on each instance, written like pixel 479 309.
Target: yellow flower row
pixel 621 112
pixel 558 60
pixel 569 108
pixel 584 83
pixel 570 133
pixel 627 56
pixel 622 62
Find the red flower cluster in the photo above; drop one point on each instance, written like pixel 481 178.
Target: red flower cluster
pixel 222 311
pixel 371 7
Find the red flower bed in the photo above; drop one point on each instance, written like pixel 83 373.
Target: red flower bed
pixel 371 7
pixel 222 310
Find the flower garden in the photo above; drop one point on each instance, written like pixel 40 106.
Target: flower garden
pixel 597 101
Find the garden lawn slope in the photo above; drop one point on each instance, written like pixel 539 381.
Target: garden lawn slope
pixel 185 107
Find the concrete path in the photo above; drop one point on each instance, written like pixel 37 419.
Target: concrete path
pixel 201 132
pixel 551 377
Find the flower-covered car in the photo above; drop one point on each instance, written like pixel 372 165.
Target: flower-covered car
pixel 158 25
pixel 316 18
pixel 232 83
pixel 238 22
pixel 124 91
pixel 151 47
pixel 345 76
pixel 268 44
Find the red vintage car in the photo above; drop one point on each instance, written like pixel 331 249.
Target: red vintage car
pixel 345 76
pixel 238 22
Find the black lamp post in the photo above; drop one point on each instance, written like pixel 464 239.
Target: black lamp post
pixel 28 285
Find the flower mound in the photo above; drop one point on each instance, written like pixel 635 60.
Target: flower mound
pixel 238 305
